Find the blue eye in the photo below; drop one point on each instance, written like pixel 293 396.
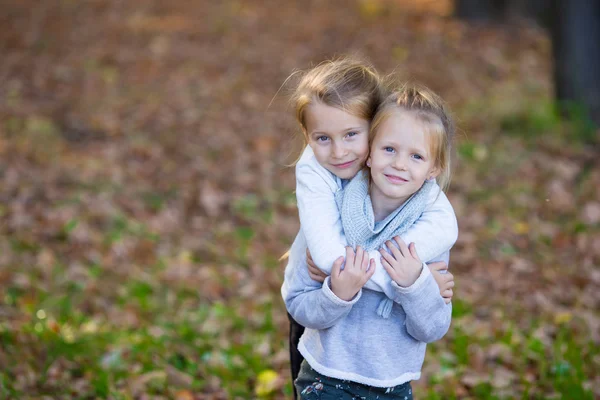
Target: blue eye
pixel 322 139
pixel 388 149
pixel 352 134
pixel 417 156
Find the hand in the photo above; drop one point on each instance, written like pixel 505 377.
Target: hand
pixel 403 265
pixel 346 283
pixel 315 273
pixel 445 281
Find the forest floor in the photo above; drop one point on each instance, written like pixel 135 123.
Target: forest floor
pixel 145 198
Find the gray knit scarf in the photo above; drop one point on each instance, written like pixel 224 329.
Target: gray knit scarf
pixel 359 223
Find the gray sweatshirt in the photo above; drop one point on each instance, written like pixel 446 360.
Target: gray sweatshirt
pixel 348 340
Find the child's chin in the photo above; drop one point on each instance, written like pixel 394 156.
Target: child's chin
pixel 347 174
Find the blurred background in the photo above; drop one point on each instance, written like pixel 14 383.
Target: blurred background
pixel 146 197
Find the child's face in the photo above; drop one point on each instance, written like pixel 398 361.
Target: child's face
pixel 400 158
pixel 339 140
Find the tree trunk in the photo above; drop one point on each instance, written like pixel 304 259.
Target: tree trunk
pixel 575 31
pixel 480 10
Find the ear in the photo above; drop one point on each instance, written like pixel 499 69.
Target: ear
pixel 369 162
pixel 434 172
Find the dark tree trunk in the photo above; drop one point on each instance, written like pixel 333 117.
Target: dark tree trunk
pixel 499 10
pixel 480 10
pixel 539 11
pixel 575 30
pixel 574 26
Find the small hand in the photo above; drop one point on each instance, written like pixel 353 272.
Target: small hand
pixel 346 283
pixel 445 281
pixel 403 265
pixel 313 271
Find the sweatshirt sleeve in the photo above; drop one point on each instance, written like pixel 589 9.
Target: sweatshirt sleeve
pixel 313 305
pixel 321 222
pixel 427 315
pixel 436 230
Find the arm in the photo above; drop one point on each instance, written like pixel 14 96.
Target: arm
pixel 439 270
pixel 427 315
pixel 436 231
pixel 321 222
pixel 313 306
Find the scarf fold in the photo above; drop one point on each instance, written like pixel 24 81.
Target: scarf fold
pixel 358 219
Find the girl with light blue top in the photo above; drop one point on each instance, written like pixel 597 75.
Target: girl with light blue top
pixel 415 312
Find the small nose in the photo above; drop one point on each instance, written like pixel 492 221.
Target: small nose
pixel 400 163
pixel 339 150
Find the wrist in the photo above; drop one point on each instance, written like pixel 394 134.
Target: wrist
pixel 411 278
pixel 341 293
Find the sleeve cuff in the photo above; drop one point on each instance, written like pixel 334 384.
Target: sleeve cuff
pixel 425 273
pixel 336 300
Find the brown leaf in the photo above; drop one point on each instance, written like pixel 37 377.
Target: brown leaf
pixel 184 395
pixel 590 214
pixel 176 377
pixel 211 198
pixel 502 377
pixel 472 379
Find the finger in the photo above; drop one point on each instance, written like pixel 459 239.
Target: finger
pixel 389 269
pixel 336 269
pixel 308 257
pixel 413 251
pixel 369 273
pixel 316 274
pixel 447 293
pixel 449 284
pixel 402 246
pixel 311 267
pixel 365 262
pixel 447 300
pixel 371 264
pixel 349 257
pixel 317 278
pixel 311 263
pixel 438 266
pixel 396 253
pixel 359 256
pixel 387 257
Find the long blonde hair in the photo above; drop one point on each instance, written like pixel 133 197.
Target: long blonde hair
pixel 429 109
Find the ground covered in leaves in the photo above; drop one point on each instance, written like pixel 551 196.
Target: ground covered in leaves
pixel 145 198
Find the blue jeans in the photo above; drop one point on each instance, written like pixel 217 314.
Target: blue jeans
pixel 312 385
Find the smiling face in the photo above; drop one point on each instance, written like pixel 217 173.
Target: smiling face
pixel 400 158
pixel 339 140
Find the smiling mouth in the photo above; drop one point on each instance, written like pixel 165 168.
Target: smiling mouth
pixel 395 179
pixel 344 165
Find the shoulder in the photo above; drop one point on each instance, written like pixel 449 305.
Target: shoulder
pixel 309 170
pixel 308 160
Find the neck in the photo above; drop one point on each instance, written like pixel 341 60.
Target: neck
pixel 383 205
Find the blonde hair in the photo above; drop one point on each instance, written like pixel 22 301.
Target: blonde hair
pixel 345 83
pixel 430 110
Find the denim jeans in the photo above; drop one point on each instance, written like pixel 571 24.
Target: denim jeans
pixel 312 385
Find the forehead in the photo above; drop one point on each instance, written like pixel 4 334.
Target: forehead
pixel 403 128
pixel 321 117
